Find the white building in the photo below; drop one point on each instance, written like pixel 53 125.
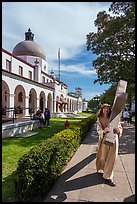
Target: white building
pixel 84 105
pixel 27 84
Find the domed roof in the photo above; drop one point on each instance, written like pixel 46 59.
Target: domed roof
pixel 29 47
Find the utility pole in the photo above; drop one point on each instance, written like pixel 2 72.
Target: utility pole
pixel 59 62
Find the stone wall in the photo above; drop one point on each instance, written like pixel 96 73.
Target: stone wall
pixel 10 130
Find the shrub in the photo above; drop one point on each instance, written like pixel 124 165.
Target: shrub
pixel 86 124
pixel 38 170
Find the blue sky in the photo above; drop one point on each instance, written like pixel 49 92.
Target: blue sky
pixel 57 25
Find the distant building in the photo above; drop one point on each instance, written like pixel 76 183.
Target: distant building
pixel 84 105
pixel 76 105
pixel 27 84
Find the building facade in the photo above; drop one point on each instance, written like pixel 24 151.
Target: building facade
pixel 27 85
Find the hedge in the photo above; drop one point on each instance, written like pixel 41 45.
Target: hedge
pixel 39 169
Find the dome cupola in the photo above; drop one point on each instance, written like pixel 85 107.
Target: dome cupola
pixel 29 47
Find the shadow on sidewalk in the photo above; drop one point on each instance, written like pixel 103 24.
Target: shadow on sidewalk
pixel 57 194
pixel 75 184
pixel 127 141
pixel 130 198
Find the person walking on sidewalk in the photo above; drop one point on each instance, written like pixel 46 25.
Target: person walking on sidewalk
pixel 126 117
pixel 46 117
pixel 106 155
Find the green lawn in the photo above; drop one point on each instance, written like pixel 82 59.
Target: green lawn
pixel 85 114
pixel 14 148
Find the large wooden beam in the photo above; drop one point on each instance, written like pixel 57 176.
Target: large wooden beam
pixel 118 105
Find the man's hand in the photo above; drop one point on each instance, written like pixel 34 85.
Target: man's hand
pixel 116 130
pixel 106 130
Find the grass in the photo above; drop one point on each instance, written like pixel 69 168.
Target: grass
pixel 85 114
pixel 14 148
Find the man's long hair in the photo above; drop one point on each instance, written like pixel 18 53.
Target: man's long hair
pixel 100 112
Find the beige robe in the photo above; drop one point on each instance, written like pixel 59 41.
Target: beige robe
pixel 106 156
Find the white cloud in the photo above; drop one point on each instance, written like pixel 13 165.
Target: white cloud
pixel 89 95
pixel 74 70
pixel 55 24
pixel 79 69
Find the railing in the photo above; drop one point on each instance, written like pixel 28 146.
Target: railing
pixel 14 112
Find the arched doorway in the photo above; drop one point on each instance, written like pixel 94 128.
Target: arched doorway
pixel 68 108
pixel 19 99
pixel 49 102
pixel 58 104
pixel 33 100
pixel 5 99
pixel 42 101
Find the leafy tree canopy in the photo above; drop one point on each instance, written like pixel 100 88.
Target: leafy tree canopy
pixel 114 44
pixel 93 104
pixel 108 95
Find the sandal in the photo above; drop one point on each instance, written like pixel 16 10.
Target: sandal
pixel 110 182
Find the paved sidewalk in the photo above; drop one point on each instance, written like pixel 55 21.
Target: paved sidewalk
pixel 80 182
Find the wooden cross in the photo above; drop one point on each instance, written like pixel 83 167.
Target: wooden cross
pixel 118 105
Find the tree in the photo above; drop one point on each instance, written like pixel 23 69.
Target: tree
pixel 108 96
pixel 93 104
pixel 114 44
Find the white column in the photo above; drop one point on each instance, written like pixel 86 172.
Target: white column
pixel 11 104
pixel 45 104
pixel 78 106
pixel 54 106
pixel 27 105
pixel 37 103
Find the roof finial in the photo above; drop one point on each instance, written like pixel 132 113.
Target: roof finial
pixel 29 35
